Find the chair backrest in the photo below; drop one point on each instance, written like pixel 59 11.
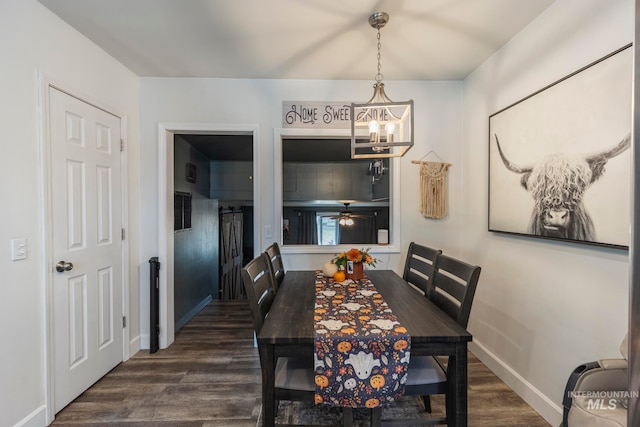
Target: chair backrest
pixel 259 286
pixel 420 266
pixel 454 285
pixel 277 265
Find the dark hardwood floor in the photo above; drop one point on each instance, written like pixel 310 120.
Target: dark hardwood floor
pixel 210 377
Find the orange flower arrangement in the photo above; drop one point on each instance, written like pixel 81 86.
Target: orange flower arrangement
pixel 355 255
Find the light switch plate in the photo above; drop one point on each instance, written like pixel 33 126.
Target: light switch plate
pixel 268 232
pixel 18 249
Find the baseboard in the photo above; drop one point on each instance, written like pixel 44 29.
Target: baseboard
pixel 145 341
pixel 191 314
pixel 37 418
pixel 134 345
pixel 548 409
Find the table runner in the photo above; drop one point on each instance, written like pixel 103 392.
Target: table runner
pixel 361 350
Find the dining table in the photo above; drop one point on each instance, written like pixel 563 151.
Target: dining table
pixel 288 331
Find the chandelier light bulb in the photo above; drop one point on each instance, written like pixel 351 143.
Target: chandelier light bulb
pixel 390 128
pixel 374 131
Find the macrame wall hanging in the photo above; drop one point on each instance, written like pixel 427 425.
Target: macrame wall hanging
pixel 433 187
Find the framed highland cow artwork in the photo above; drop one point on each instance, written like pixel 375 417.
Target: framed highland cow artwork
pixel 560 159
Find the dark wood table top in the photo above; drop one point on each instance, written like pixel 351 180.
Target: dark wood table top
pixel 290 319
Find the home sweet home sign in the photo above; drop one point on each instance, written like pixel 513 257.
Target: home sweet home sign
pixel 316 115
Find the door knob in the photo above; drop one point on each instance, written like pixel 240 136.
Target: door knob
pixel 63 266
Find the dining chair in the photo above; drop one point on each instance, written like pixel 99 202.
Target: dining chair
pixel 420 265
pixel 454 286
pixel 276 263
pixel 453 289
pixel 294 377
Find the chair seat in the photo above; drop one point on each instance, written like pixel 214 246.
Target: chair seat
pixel 589 412
pixel 295 374
pixel 425 370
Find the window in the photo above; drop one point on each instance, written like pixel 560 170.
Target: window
pixel 328 229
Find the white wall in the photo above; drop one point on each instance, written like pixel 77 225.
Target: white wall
pixel 34 39
pixel 438 127
pixel 542 307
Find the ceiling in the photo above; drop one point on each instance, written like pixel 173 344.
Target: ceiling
pixel 299 39
pixel 296 39
pixel 222 147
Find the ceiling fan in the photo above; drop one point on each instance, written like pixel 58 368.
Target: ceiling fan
pixel 346 216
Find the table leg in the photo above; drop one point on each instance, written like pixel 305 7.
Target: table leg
pixel 376 417
pixel 268 385
pixel 347 417
pixel 456 404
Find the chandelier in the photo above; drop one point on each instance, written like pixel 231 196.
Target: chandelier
pixel 381 128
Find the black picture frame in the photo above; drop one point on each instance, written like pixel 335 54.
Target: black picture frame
pixel 559 159
pixel 191 173
pixel 182 211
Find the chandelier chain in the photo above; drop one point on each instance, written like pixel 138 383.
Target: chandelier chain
pixel 379 75
pixel 380 127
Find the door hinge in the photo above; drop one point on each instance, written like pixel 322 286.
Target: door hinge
pixel 124 321
pixel 122 234
pixel 121 144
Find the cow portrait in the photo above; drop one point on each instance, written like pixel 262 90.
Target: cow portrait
pixel 557 185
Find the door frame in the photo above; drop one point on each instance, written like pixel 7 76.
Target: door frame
pixel 166 132
pixel 45 83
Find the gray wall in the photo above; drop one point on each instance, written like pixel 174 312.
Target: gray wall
pixel 231 180
pixel 195 250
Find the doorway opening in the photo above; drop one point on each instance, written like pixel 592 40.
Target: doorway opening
pixel 214 173
pixel 209 169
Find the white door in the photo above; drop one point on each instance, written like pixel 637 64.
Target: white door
pixel 87 244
